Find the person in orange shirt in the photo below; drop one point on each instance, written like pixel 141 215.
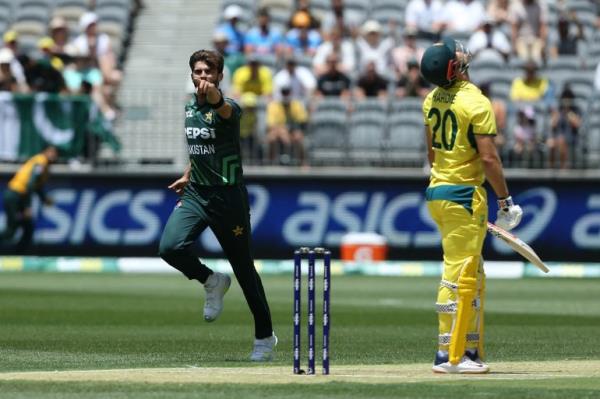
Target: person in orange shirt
pixel 30 178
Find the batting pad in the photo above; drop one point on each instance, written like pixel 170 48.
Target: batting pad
pixel 467 290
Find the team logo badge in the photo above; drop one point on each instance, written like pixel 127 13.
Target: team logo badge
pixel 208 117
pixel 238 231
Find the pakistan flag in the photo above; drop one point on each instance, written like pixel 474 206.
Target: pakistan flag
pixel 30 122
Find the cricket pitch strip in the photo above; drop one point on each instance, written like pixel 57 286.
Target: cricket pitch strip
pixel 376 374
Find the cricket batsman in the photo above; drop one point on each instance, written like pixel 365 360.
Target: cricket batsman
pixel 460 129
pixel 213 194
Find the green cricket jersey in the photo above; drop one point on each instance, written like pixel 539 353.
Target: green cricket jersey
pixel 213 144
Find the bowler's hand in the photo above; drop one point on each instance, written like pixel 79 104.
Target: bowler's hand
pixel 209 91
pixel 179 184
pixel 509 215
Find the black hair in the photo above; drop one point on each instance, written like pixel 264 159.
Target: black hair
pixel 211 58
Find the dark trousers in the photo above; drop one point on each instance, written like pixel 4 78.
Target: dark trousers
pixel 226 211
pixel 14 208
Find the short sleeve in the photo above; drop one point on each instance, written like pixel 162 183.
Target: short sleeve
pixel 483 120
pixel 426 108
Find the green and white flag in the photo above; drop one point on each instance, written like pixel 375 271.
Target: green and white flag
pixel 30 122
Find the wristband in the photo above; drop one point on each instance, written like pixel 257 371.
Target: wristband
pixel 505 203
pixel 218 104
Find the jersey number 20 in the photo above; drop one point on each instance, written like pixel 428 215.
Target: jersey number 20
pixel 441 121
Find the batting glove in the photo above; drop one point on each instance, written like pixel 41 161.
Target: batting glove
pixel 509 215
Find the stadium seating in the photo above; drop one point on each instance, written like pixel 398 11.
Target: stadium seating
pixel 327 139
pixel 366 137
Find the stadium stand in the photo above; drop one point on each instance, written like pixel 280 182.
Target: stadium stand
pixel 151 96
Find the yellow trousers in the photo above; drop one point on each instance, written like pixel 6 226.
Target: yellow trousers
pixel 460 213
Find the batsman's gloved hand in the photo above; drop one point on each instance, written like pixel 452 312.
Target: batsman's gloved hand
pixel 509 215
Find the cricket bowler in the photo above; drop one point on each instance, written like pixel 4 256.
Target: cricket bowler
pixel 460 130
pixel 213 194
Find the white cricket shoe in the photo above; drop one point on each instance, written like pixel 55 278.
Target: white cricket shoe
pixel 263 349
pixel 465 366
pixel 216 286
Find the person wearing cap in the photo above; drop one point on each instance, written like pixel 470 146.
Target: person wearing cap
pixel 235 36
pixel 214 195
pixel 299 78
pixel 407 51
pixel 10 38
pixel 286 122
pixel 43 73
pixel 489 39
pixel 460 130
pixel 98 46
pixel 46 47
pixel 531 87
pixel 232 60
pixel 426 17
pixel 59 32
pixel 264 38
pixel 302 39
pixel 371 47
pixel 303 7
pixel 7 81
pixel 252 78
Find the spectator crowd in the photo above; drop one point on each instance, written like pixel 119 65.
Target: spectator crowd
pixel 370 51
pixel 67 59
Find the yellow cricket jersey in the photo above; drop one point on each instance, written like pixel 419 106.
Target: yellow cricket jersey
pixel 454 116
pixel 528 91
pixel 20 181
pixel 261 84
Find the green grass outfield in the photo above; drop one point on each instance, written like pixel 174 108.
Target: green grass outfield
pixel 73 336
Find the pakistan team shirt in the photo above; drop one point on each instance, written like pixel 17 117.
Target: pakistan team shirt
pixel 213 144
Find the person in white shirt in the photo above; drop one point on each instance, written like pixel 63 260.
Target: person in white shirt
pixel 463 15
pixel 342 47
pixel 426 17
pixel 298 78
pixel 98 45
pixel 488 38
pixel 373 48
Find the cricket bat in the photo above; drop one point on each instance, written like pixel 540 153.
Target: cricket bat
pixel 518 245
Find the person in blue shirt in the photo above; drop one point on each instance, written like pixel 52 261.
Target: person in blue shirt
pixel 235 36
pixel 263 38
pixel 302 39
